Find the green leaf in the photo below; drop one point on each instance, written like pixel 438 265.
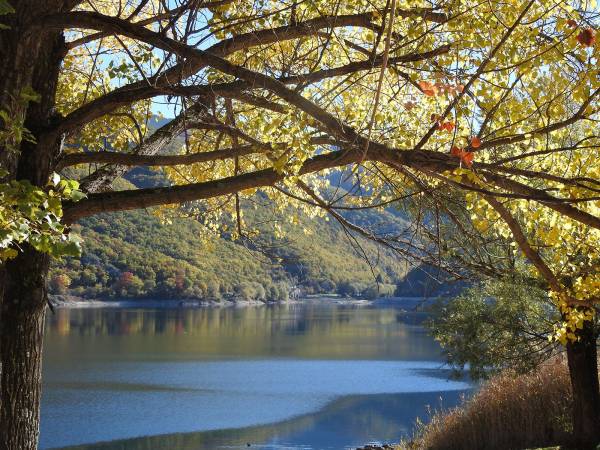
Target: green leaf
pixel 6 8
pixel 69 247
pixel 7 253
pixel 28 94
pixel 77 195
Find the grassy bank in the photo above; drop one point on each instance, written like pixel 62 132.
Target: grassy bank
pixel 511 411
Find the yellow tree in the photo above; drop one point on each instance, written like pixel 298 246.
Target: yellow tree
pixel 496 99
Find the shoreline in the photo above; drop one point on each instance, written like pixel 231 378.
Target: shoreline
pixel 73 302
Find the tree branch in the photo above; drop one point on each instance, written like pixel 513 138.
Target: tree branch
pixel 150 20
pixel 102 178
pixel 195 59
pixel 358 66
pixel 532 255
pixel 144 198
pixel 128 159
pixel 545 199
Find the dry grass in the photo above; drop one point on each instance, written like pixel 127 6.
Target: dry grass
pixel 509 412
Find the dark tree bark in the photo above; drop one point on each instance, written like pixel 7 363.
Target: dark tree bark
pixel 30 61
pixel 582 356
pixel 23 311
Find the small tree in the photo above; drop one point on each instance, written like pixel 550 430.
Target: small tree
pixel 60 283
pixel 495 325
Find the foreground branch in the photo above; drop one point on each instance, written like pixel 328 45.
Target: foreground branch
pixel 144 198
pixel 127 159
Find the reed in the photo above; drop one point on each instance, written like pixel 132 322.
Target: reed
pixel 510 411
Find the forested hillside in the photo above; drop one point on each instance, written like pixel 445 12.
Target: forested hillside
pixel 133 254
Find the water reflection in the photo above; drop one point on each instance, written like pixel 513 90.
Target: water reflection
pixel 310 331
pixel 345 423
pixel 286 376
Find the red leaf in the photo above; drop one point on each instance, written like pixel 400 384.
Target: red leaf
pixel 587 37
pixel 475 142
pixel 467 158
pixel 572 23
pixel 449 126
pixel 456 151
pixel 427 88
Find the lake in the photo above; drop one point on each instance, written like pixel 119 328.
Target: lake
pixel 295 377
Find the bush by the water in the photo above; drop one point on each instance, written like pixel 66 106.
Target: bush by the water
pixel 495 325
pixel 510 411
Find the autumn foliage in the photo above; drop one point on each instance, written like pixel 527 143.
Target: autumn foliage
pixel 275 96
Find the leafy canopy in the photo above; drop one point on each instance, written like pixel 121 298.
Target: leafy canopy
pixel 496 101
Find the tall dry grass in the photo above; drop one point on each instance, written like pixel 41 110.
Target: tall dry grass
pixel 509 412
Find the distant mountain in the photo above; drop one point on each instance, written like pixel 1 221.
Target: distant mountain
pixel 157 122
pixel 428 282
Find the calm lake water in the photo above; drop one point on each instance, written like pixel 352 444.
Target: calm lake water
pixel 309 376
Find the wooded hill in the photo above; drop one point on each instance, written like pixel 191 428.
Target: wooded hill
pixel 133 254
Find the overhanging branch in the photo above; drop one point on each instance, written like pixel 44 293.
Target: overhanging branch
pixel 194 60
pixel 144 198
pixel 128 159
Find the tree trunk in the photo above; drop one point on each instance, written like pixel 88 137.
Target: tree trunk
pixel 21 334
pixel 30 61
pixel 583 369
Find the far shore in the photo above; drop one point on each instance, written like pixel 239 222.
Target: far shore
pixel 69 301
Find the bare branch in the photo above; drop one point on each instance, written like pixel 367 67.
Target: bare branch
pixel 143 198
